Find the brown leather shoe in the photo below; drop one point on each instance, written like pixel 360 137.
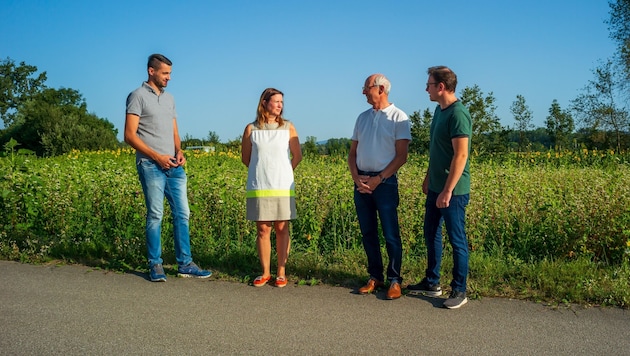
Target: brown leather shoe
pixel 394 291
pixel 371 285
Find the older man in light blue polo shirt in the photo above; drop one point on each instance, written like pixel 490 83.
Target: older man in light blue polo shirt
pixel 378 149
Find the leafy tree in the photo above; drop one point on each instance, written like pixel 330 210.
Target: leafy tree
pixel 484 119
pixel 560 125
pixel 619 27
pixel 592 139
pixel 235 144
pixel 539 137
pixel 309 147
pixel 213 138
pixel 523 118
pixel 48 121
pixel 337 146
pixel 17 85
pixel 55 122
pixel 189 141
pixel 420 128
pixel 597 107
pixel 497 141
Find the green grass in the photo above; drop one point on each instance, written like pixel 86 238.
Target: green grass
pixel 542 226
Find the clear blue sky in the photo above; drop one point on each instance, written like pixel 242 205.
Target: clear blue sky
pixel 318 53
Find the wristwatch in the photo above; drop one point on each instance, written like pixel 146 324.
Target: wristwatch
pixel 382 178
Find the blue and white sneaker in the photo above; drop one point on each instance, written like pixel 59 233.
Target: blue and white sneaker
pixel 455 300
pixel 156 273
pixel 191 270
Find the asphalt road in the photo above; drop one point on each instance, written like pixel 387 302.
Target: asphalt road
pixel 76 310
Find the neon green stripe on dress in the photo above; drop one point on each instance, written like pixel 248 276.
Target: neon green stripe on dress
pixel 270 193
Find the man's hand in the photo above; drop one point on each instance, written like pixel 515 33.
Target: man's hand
pixel 167 162
pixel 367 184
pixel 444 199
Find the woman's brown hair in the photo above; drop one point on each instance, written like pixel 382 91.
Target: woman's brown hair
pixel 261 113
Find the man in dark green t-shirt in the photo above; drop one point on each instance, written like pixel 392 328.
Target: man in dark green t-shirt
pixel 447 186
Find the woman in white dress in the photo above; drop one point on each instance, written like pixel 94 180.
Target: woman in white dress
pixel 271 151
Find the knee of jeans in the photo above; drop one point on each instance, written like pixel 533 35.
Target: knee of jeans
pixel 182 214
pixel 459 243
pixel 389 218
pixel 393 239
pixel 155 213
pixel 461 250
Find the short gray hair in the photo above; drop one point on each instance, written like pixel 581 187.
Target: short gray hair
pixel 382 80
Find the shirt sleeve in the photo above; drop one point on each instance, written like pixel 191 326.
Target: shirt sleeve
pixel 461 124
pixel 134 104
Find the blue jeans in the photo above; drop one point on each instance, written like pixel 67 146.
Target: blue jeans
pixel 384 202
pixel 158 183
pixel 454 218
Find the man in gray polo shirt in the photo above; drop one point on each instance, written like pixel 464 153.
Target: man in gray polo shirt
pixel 151 129
pixel 378 149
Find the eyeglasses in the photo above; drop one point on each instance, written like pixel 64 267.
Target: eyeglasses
pixel 368 88
pixel 431 84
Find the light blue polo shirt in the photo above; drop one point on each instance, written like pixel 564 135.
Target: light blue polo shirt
pixel 376 132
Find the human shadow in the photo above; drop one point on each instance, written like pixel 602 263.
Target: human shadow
pixel 168 270
pixel 381 294
pixel 437 302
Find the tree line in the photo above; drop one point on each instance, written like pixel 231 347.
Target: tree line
pixel 51 122
pixel 44 120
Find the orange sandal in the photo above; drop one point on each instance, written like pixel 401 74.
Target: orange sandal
pixel 281 282
pixel 261 281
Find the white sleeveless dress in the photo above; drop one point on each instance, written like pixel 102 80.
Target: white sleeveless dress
pixel 270 181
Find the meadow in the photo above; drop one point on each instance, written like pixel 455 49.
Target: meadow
pixel 546 226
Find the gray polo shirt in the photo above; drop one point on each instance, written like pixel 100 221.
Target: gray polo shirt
pixel 156 114
pixel 376 132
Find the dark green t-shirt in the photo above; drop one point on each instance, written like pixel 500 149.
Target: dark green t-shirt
pixel 452 122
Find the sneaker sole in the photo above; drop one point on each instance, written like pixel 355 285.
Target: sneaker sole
pixel 427 293
pixel 158 279
pixel 458 305
pixel 185 275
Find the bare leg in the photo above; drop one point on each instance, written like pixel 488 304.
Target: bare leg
pixel 283 245
pixel 263 244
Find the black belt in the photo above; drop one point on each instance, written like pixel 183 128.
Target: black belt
pixel 369 174
pixel 372 174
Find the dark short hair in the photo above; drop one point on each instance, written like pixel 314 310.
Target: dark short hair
pixel 443 74
pixel 155 60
